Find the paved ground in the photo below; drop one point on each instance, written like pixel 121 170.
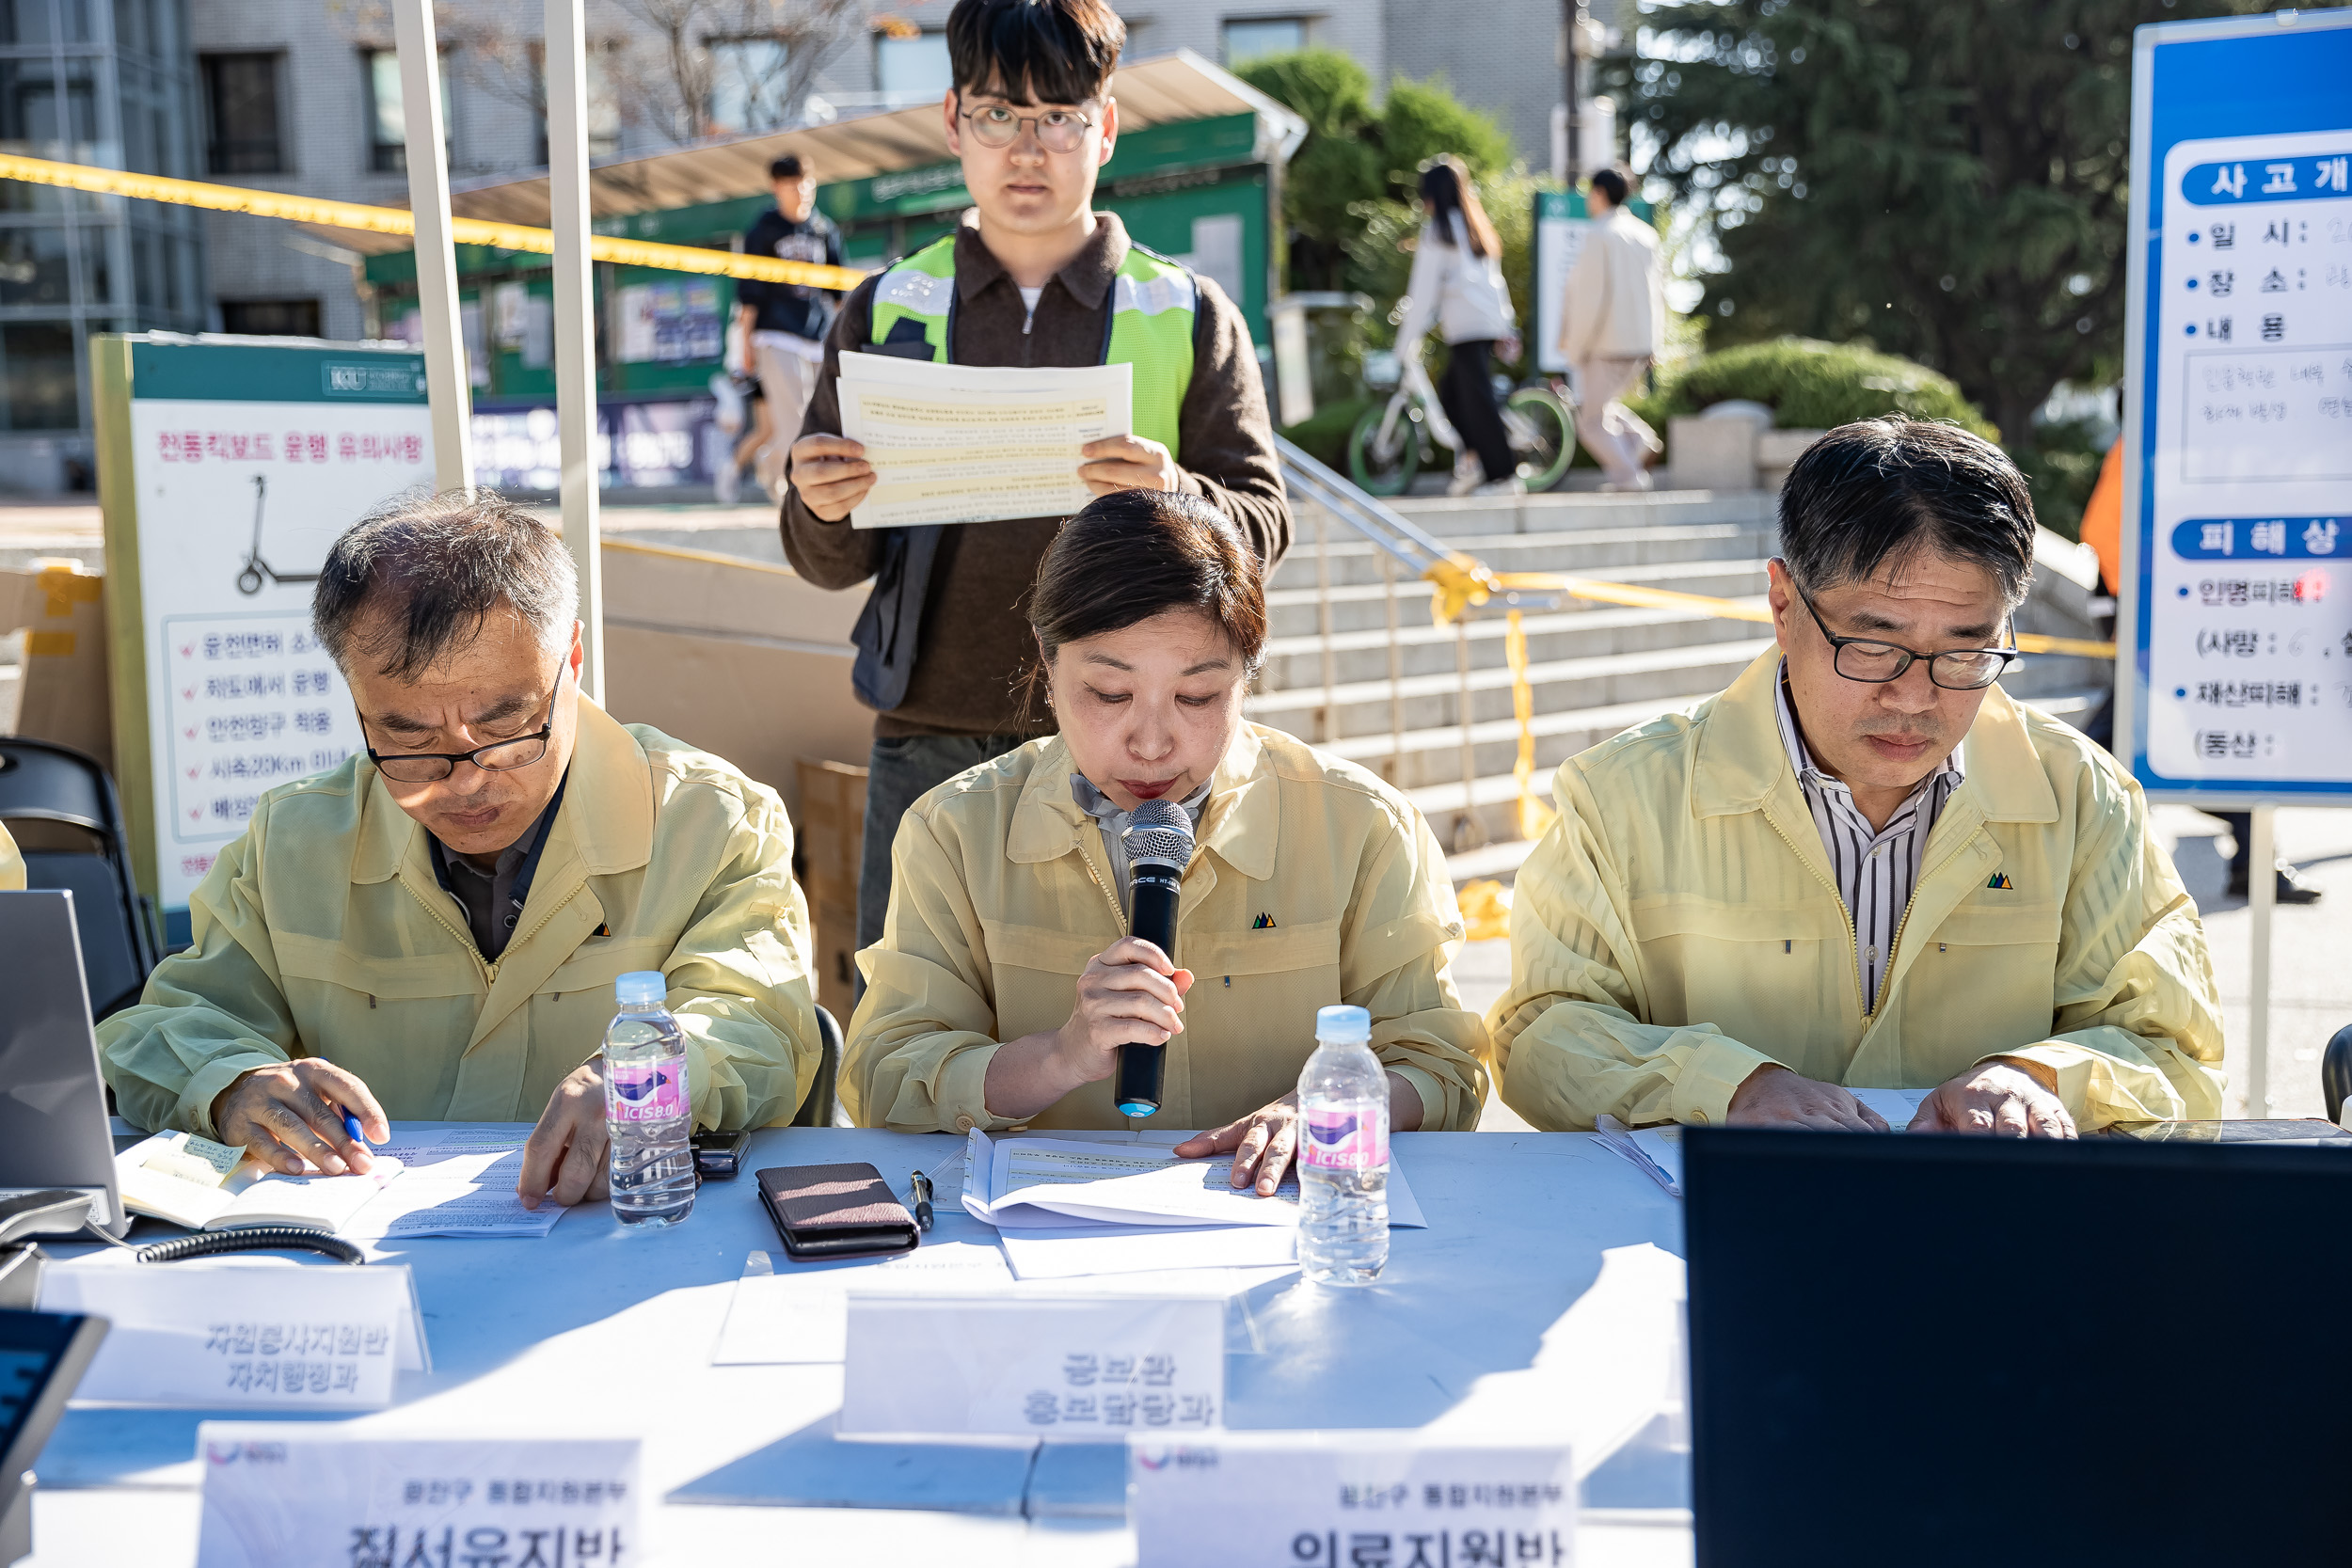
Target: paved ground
pixel 2311 979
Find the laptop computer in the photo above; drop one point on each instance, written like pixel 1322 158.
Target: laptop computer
pixel 52 1104
pixel 1934 1350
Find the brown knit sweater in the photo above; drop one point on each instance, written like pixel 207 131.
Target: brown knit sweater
pixel 975 644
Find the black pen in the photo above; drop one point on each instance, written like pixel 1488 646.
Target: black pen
pixel 922 1190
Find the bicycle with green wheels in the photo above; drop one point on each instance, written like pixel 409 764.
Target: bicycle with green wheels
pixel 1396 440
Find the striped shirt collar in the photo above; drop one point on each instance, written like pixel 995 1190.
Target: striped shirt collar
pixel 1877 869
pixel 1809 773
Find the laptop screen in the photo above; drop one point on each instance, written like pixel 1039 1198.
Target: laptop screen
pixel 52 1103
pixel 1947 1350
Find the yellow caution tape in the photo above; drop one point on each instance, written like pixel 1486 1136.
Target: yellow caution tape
pixel 65 586
pixel 1486 909
pixel 50 644
pixel 397 220
pixel 1535 815
pixel 1461 582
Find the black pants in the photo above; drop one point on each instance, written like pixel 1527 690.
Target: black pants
pixel 2241 828
pixel 1467 390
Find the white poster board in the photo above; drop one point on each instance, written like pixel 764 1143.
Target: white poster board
pixel 2237 544
pixel 1560 229
pixel 245 460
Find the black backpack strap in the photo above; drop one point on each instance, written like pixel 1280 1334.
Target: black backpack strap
pixel 888 634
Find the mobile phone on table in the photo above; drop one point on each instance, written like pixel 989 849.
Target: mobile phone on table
pixel 719 1156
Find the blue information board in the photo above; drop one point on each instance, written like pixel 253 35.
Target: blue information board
pixel 2236 613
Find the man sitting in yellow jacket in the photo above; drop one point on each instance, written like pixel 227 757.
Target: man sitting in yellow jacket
pixel 1863 864
pixel 11 864
pixel 433 929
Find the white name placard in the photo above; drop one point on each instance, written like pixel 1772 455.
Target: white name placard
pixel 301 1494
pixel 262 1334
pixel 1349 1499
pixel 1075 1369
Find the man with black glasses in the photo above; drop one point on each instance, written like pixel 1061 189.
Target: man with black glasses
pixel 1863 866
pixel 432 930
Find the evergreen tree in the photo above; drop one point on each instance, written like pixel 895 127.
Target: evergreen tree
pixel 1360 165
pixel 1945 179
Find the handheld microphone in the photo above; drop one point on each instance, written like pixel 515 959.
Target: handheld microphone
pixel 1159 846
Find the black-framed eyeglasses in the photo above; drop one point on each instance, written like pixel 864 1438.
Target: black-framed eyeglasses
pixel 501 756
pixel 1875 664
pixel 1057 129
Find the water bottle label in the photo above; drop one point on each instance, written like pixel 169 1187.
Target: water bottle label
pixel 645 1092
pixel 1344 1140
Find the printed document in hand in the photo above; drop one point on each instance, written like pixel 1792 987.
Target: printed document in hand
pixel 1036 1183
pixel 973 444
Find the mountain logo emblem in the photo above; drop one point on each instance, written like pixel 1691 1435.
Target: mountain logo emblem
pixel 644 1087
pixel 1336 1134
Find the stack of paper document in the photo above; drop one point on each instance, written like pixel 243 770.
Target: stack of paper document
pixel 459 1182
pixel 456 1181
pixel 1657 1152
pixel 1067 1207
pixel 969 444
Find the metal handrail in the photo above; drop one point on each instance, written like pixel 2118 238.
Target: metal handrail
pixel 1366 515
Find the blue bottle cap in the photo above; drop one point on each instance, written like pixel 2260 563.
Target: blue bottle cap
pixel 1343 1025
pixel 642 988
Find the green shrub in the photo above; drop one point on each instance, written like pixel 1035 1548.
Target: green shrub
pixel 2060 462
pixel 1810 385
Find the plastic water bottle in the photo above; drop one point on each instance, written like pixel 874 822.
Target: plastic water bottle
pixel 648 1105
pixel 1343 1153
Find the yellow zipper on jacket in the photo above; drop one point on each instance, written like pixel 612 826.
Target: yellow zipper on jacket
pixel 1119 916
pixel 1854 935
pixel 465 939
pixel 1901 925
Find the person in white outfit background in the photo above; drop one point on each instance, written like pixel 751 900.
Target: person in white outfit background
pixel 1612 324
pixel 1457 283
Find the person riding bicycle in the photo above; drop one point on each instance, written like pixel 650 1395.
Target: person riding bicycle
pixel 1457 281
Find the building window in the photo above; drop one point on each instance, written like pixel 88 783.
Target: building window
pixel 33 269
pixel 388 123
pixel 1263 35
pixel 37 386
pixel 271 318
pixel 604 105
pixel 914 69
pixel 750 85
pixel 240 114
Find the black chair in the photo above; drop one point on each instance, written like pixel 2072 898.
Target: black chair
pixel 44 782
pixel 2335 1074
pixel 816 1110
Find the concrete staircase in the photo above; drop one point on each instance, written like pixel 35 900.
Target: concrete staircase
pixel 1595 669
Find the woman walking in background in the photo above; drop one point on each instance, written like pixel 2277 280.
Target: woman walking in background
pixel 1458 282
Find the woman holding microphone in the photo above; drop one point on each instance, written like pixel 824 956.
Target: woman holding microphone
pixel 1004 982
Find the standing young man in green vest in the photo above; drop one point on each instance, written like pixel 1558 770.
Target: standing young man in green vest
pixel 1033 276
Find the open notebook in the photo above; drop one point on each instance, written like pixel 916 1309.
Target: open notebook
pixel 211 1187
pixel 454 1181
